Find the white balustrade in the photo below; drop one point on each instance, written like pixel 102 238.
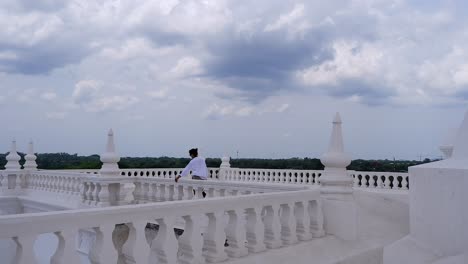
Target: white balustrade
pixel 380 180
pixel 217 242
pixel 302 177
pixel 163 173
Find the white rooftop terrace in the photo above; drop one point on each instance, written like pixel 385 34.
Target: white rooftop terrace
pixel 114 215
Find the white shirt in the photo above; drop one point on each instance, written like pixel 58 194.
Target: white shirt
pixel 198 167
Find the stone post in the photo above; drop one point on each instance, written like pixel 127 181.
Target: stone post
pixel 109 182
pixel 11 179
pixel 339 207
pixel 222 168
pixel 30 164
pixel 13 159
pixel 110 159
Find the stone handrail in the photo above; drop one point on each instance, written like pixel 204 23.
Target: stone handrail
pixel 55 181
pixel 305 177
pixel 164 173
pixel 254 224
pixel 156 189
pixel 380 180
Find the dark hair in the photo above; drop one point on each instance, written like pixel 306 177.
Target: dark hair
pixel 193 152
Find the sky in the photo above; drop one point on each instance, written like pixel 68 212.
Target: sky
pixel 240 78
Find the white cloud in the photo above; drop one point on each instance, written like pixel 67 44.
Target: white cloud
pixel 86 91
pixel 186 67
pixel 283 108
pixel 93 97
pixel 216 111
pixel 287 19
pixel 352 60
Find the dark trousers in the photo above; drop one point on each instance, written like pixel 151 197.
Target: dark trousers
pixel 199 178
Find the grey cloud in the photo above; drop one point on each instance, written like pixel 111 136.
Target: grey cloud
pixel 369 93
pixel 42 58
pixel 263 64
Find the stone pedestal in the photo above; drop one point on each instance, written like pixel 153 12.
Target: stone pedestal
pixel 339 206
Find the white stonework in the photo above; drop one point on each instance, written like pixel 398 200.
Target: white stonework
pixel 110 158
pixel 225 162
pixel 438 210
pixel 332 216
pixel 30 158
pixel 13 158
pixel 336 188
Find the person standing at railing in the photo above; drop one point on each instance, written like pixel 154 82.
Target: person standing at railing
pixel 197 166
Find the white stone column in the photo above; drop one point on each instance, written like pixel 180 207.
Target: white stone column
pixel 339 207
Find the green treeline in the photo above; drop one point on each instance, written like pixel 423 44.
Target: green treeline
pixel 53 161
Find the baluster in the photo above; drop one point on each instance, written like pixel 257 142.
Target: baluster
pixel 104 251
pixel 103 194
pixel 356 180
pixel 235 234
pixel 386 182
pixel 170 192
pixel 380 182
pixel 90 194
pixel 404 183
pixel 66 248
pixel 60 181
pixel 24 249
pixel 145 191
pixel 210 192
pixel 188 192
pixel 162 192
pixel 180 192
pixel 255 230
pixel 395 183
pixel 191 241
pixel 302 216
pixel 214 238
pixel 165 243
pixel 288 224
pixel 316 219
pixel 136 247
pixel 97 190
pixel 154 192
pixel 84 191
pixel 137 192
pixel 272 226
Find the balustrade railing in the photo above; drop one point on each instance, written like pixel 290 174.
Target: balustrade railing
pixel 155 189
pixel 306 177
pixel 164 173
pixel 255 223
pixel 380 180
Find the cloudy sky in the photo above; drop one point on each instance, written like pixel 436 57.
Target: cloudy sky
pixel 263 77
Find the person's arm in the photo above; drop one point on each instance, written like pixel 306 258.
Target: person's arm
pixel 185 171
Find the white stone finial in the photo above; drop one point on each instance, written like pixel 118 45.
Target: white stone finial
pixel 225 162
pixel 13 158
pixel 460 146
pixel 110 158
pixel 335 156
pixel 30 158
pixel 447 145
